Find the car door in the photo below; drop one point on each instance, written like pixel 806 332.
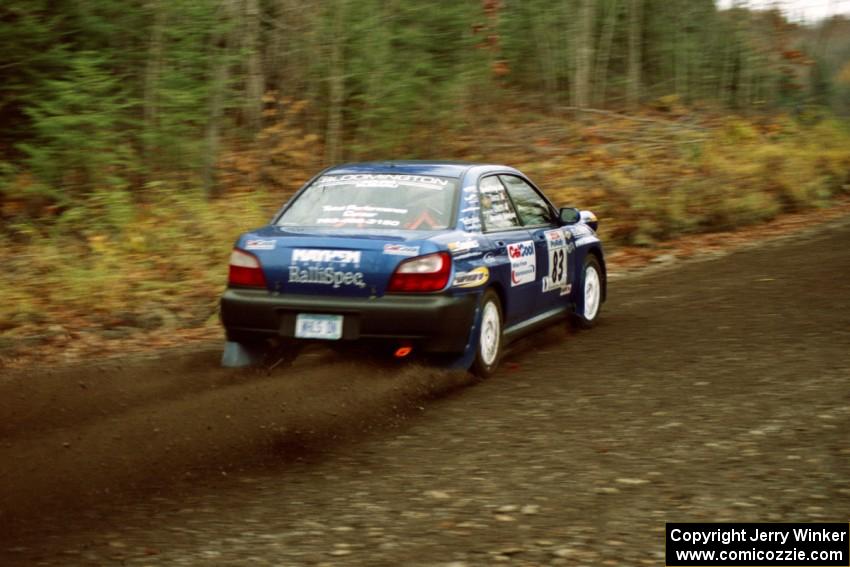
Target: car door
pixel 550 241
pixel 515 260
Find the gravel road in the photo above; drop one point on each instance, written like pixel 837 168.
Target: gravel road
pixel 712 391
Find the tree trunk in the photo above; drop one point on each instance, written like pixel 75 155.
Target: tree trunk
pixel 584 55
pixel 153 68
pixel 333 138
pixel 219 79
pixel 600 83
pixel 254 80
pixel 681 51
pixel 635 50
pixel 545 54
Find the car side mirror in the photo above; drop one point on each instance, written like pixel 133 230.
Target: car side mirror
pixel 568 215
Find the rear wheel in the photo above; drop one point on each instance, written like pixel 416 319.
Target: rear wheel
pixel 590 298
pixel 488 350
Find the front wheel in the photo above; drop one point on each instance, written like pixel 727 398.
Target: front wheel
pixel 590 300
pixel 488 351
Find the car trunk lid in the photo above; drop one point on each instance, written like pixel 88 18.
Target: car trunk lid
pixel 352 264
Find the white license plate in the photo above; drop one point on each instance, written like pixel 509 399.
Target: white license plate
pixel 327 327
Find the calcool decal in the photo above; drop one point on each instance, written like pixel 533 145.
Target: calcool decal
pixel 523 262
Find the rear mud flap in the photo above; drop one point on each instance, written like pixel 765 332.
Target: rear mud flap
pixel 237 355
pixel 464 361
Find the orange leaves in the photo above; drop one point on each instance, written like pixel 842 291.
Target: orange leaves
pixel 284 154
pixel 500 68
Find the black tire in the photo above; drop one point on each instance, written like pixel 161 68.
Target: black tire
pixel 486 361
pixel 581 319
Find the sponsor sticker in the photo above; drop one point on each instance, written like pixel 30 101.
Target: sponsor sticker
pixel 335 275
pixel 362 210
pixel 555 238
pixel 523 262
pixel 400 250
pixel 580 230
pixel 384 180
pixel 556 244
pixel 472 224
pixel 462 246
pixel 259 244
pixel 326 256
pixel 325 276
pixel 467 255
pixel 358 221
pixel 472 278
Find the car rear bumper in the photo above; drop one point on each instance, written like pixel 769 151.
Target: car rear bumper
pixel 438 323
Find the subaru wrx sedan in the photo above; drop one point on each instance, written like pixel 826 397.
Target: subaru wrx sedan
pixel 439 257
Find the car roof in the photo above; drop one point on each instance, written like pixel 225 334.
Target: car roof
pixel 437 168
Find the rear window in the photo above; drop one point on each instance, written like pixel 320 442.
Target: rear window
pixel 374 200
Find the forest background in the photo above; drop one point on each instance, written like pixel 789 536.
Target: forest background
pixel 139 137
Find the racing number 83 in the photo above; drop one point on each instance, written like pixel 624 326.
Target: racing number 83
pixel 559 266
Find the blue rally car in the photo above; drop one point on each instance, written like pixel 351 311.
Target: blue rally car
pixel 441 257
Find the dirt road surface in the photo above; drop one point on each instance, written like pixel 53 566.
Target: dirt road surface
pixel 712 391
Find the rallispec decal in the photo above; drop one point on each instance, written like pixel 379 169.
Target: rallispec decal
pixel 566 289
pixel 556 244
pixel 472 278
pixel 258 244
pixel 400 250
pixel 326 256
pixel 523 262
pixel 325 276
pixel 462 246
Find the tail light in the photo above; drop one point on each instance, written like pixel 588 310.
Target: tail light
pixel 422 274
pixel 245 270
